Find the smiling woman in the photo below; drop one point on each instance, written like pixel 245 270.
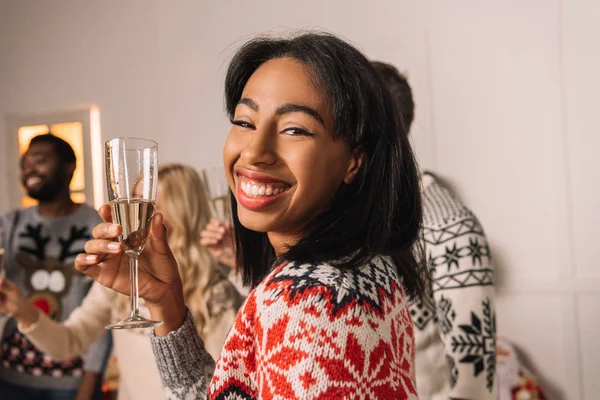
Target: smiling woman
pixel 314 124
pixel 326 210
pixel 281 140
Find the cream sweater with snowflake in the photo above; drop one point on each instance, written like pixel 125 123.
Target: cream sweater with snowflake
pixel 455 325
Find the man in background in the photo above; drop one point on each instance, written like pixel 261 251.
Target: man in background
pixel 455 324
pixel 41 243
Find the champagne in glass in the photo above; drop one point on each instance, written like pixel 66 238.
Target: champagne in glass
pixel 134 217
pixel 131 178
pixel 217 187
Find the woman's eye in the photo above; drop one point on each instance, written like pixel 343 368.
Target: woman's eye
pixel 242 124
pixel 297 131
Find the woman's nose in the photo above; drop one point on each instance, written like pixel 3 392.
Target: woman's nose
pixel 260 148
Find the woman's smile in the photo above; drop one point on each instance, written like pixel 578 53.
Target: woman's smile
pixel 258 190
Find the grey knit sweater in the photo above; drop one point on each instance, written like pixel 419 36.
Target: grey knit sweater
pixel 39 259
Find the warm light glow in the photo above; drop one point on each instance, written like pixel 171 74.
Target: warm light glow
pixel 26 133
pixel 97 156
pixel 72 133
pixel 78 197
pixel 27 201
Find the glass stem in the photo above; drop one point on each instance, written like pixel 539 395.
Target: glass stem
pixel 134 289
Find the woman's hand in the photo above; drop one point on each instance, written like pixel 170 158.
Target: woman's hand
pixel 14 302
pixel 217 237
pixel 159 282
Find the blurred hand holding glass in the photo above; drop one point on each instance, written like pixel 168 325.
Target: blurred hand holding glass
pixel 131 178
pixel 217 187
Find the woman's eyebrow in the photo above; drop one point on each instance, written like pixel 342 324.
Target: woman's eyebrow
pixel 248 102
pixel 292 108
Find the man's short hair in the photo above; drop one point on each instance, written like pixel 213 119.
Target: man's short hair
pixel 63 149
pixel 398 85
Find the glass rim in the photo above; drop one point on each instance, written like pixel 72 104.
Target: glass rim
pixel 152 143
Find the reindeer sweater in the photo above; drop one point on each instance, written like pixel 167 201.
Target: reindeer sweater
pixel 308 331
pixel 39 258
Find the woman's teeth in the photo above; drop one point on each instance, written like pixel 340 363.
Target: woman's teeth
pixel 257 189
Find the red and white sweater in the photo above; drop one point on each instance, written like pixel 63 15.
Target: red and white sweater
pixel 308 331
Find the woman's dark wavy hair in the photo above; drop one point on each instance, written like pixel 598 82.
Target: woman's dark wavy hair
pixel 379 212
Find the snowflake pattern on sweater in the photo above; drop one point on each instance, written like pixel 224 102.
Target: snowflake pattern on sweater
pixel 310 331
pixel 456 324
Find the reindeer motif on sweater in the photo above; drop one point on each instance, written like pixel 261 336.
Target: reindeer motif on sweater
pixel 48 279
pixel 39 258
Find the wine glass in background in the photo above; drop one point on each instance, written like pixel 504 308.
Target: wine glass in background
pixel 215 182
pixel 217 187
pixel 131 179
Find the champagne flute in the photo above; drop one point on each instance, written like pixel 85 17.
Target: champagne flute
pixel 215 183
pixel 131 178
pixel 217 187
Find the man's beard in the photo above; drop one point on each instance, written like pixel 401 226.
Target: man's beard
pixel 50 190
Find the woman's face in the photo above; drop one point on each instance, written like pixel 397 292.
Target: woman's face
pixel 280 157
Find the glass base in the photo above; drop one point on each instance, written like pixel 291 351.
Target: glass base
pixel 134 321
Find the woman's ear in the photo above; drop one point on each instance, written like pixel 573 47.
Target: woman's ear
pixel 354 165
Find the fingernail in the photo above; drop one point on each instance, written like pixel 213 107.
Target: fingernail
pixel 90 258
pixel 114 245
pixel 113 228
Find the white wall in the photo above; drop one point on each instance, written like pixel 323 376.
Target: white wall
pixel 506 93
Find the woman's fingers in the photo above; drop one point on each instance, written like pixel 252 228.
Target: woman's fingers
pixel 105 213
pixel 215 225
pixel 158 236
pixel 101 247
pixel 106 276
pixel 213 233
pixel 214 222
pixel 112 275
pixel 88 264
pixel 209 239
pixel 106 230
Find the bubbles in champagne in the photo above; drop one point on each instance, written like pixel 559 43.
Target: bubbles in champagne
pixel 135 217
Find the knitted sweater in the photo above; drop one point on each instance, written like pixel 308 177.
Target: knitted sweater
pixel 307 331
pixel 39 259
pixel 139 378
pixel 455 326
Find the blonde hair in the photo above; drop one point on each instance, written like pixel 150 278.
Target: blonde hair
pixel 185 208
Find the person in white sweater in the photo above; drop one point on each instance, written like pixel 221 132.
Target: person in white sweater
pixel 210 297
pixel 455 324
